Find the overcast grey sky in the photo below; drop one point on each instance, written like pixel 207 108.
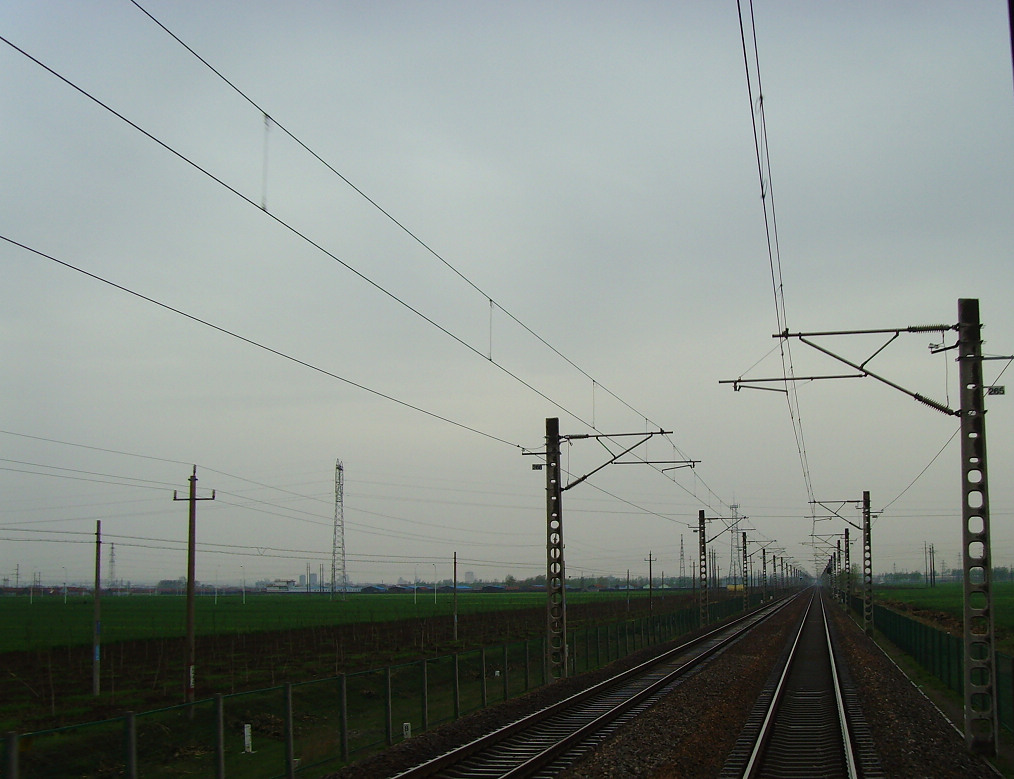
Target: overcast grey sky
pixel 590 168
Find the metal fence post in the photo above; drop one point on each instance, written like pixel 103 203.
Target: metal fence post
pixel 343 703
pixel 482 676
pixel 425 695
pixel 219 736
pixel 290 757
pixel 130 738
pixel 528 669
pixel 389 715
pixel 457 688
pixel 11 763
pixel 506 686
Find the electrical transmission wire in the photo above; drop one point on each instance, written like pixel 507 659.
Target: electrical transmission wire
pixel 923 471
pixel 762 153
pixel 270 118
pixel 259 345
pixel 335 258
pixel 390 217
pixel 298 233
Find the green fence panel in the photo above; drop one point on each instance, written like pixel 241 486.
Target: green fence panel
pixel 440 677
pixel 177 741
pixel 942 655
pixel 470 680
pixel 262 713
pixel 366 693
pixel 184 740
pixel 317 726
pixel 92 749
pixel 406 699
pixel 515 669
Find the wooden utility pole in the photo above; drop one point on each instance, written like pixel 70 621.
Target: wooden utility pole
pixel 97 619
pixel 189 679
pixel 649 559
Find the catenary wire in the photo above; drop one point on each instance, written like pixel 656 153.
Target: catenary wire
pixel 259 345
pixel 268 117
pixel 388 215
pixel 761 151
pixel 319 247
pixel 222 183
pixel 278 220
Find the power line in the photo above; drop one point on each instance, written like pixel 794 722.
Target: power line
pixel 320 248
pixel 763 157
pixel 259 345
pixel 923 471
pixel 298 361
pixel 362 276
pixel 400 225
pixel 268 117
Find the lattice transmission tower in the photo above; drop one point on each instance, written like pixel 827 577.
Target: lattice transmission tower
pixel 338 541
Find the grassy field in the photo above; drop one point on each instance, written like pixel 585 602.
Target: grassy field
pixel 948 598
pixel 49 622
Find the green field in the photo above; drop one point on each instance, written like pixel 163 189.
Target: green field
pixel 39 623
pixel 948 598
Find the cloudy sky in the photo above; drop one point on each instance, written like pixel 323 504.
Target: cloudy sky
pixel 402 235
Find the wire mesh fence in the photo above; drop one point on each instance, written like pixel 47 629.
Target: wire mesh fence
pixel 315 727
pixel 943 656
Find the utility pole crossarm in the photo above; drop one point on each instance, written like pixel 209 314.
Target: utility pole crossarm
pixel 741 383
pixel 863 371
pixel 841 504
pixel 615 459
pixel 877 331
pixel 866 372
pixel 556 652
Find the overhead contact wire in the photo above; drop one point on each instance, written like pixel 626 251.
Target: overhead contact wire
pixel 394 220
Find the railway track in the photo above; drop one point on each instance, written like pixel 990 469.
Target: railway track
pixel 806 722
pixel 544 743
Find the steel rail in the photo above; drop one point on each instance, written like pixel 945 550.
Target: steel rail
pixel 796 706
pixel 544 736
pixel 851 761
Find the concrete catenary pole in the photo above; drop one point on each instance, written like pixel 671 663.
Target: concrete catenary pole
pixel 702 569
pixel 980 661
pixel 556 594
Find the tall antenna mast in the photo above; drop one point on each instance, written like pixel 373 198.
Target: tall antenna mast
pixel 338 542
pixel 112 566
